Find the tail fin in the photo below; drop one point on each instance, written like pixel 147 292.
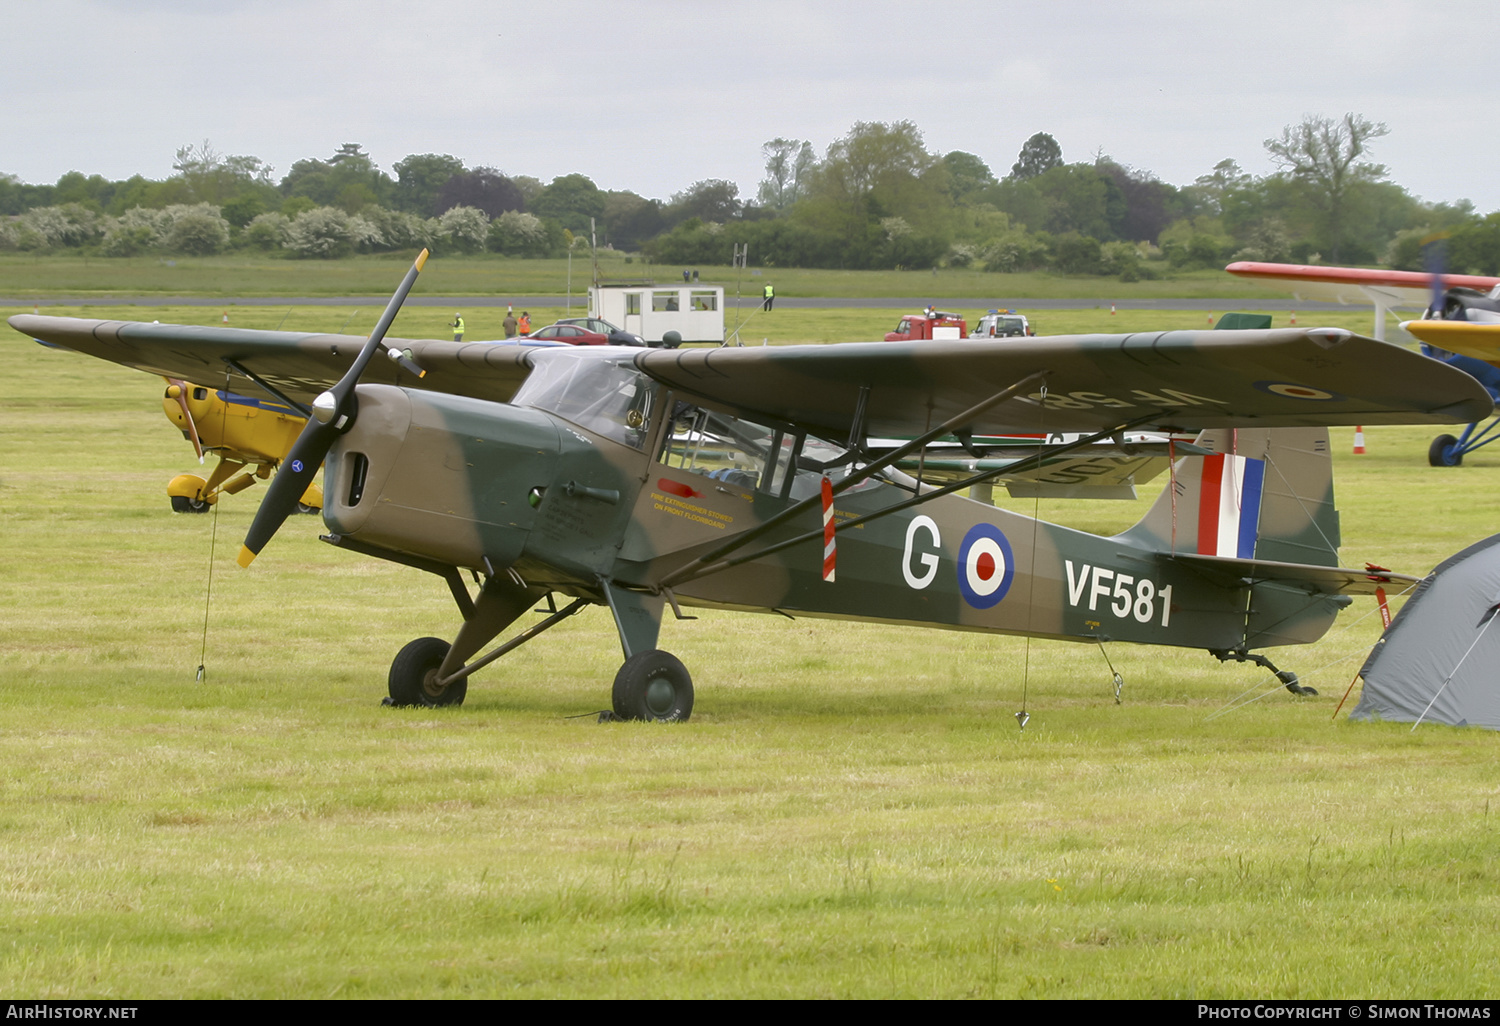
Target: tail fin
pixel 1265 493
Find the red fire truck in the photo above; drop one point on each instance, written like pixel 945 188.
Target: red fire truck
pixel 930 323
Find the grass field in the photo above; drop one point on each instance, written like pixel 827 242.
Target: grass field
pixel 24 276
pixel 851 812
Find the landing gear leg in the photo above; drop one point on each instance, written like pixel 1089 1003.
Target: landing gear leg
pixel 1286 677
pixel 426 672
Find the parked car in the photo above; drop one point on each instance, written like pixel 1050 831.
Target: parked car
pixel 617 336
pixel 572 334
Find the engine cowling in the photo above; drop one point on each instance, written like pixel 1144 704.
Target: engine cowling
pixel 440 476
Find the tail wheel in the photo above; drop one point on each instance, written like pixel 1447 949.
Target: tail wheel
pixel 413 677
pixel 653 685
pixel 1444 452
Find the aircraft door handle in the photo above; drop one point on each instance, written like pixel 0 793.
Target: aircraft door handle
pixel 605 495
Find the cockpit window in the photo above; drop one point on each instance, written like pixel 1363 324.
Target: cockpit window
pixel 607 397
pixel 783 462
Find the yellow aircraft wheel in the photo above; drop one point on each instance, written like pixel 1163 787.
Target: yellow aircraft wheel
pixel 413 677
pixel 311 501
pixel 185 491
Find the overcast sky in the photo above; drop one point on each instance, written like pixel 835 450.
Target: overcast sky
pixel 651 96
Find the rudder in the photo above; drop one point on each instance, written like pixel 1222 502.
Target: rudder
pixel 1264 493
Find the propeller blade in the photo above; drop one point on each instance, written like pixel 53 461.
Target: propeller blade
pixel 331 413
pixel 1435 252
pixel 187 415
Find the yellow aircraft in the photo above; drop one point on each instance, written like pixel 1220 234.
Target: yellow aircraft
pixel 250 436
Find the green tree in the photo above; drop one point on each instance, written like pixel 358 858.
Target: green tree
pixel 1039 154
pixel 712 200
pixel 484 188
pixel 1209 193
pixel 968 175
pixel 208 176
pixel 198 231
pixel 629 220
pixel 332 182
pixel 571 200
pixel 419 179
pixel 1322 155
pixel 788 163
pixel 874 172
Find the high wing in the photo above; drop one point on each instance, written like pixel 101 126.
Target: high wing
pixel 1358 285
pixel 1181 380
pixel 1153 381
pixel 298 364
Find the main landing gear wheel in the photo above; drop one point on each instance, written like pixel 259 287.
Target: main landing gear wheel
pixel 183 504
pixel 1444 452
pixel 413 679
pixel 653 685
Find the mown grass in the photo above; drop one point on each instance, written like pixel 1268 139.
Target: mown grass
pixel 27 275
pixel 852 811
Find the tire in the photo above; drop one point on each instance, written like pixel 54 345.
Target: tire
pixel 414 670
pixel 653 685
pixel 1444 452
pixel 183 504
pixel 307 510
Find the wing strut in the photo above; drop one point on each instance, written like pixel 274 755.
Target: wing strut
pixel 693 571
pixel 863 474
pixel 270 389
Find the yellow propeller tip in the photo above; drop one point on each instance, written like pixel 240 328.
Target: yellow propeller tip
pixel 421 259
pixel 246 557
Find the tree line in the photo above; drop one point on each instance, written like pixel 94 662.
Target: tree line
pixel 876 198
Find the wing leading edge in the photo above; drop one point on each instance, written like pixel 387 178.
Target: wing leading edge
pixel 298 364
pixel 1357 284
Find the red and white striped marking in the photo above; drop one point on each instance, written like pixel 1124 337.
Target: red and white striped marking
pixel 830 546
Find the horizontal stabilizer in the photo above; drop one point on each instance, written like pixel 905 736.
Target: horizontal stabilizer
pixel 1316 580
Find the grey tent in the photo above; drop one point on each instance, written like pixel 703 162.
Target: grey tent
pixel 1439 660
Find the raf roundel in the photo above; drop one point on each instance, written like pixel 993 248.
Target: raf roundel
pixel 985 566
pixel 1292 390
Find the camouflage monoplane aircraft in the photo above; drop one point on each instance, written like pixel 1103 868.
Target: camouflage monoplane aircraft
pixel 738 478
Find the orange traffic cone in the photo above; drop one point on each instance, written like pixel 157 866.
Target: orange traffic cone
pixel 1111 309
pixel 226 316
pixel 1359 440
pixel 1294 316
pixel 1210 317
